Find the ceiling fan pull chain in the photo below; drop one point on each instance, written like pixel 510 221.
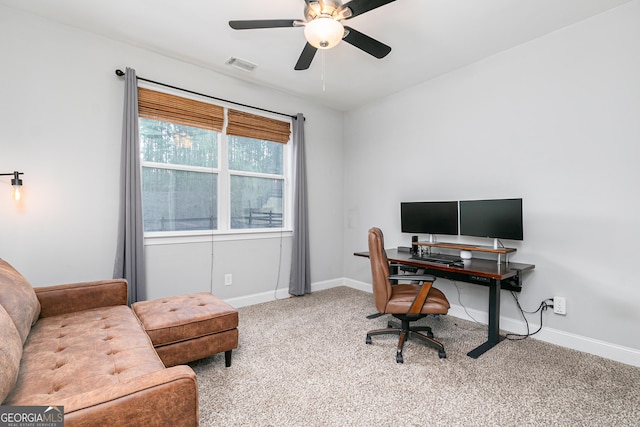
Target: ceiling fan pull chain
pixel 322 74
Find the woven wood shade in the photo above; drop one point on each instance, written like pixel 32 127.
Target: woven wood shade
pixel 257 127
pixel 170 108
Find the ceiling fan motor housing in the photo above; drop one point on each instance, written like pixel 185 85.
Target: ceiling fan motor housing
pixel 326 8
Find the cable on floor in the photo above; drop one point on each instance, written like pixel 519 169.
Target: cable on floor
pixel 542 307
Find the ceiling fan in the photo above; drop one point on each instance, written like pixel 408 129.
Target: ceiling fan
pixel 323 28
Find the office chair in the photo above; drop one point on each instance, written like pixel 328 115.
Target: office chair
pixel 405 302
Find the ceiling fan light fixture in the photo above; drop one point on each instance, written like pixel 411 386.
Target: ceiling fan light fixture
pixel 324 32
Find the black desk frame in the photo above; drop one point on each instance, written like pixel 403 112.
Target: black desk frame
pixel 477 271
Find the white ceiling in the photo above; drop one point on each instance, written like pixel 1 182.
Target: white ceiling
pixel 428 38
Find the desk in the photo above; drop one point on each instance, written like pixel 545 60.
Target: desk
pixel 477 271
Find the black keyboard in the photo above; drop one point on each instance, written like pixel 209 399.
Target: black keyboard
pixel 433 260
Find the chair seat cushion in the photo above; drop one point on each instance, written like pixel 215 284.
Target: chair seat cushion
pixel 402 297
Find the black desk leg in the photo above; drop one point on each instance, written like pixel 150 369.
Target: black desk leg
pixel 493 331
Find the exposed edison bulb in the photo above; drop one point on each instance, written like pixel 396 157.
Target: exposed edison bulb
pixel 16 183
pixel 17 192
pixel 323 33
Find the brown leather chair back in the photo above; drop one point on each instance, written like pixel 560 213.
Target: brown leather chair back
pixel 379 269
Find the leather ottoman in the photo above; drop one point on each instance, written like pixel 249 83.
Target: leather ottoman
pixel 189 327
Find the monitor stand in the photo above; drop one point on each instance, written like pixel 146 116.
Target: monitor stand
pixel 497 244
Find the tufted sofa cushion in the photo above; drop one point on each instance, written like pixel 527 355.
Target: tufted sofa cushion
pixel 75 353
pixel 10 353
pixel 18 299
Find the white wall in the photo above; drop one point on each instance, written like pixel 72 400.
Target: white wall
pixel 555 121
pixel 61 119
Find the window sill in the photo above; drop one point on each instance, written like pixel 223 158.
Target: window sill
pixel 178 238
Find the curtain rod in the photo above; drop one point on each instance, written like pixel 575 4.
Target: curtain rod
pixel 120 73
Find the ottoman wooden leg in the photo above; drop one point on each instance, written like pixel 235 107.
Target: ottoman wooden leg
pixel 227 358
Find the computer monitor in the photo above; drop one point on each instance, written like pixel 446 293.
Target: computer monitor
pixel 497 219
pixel 429 217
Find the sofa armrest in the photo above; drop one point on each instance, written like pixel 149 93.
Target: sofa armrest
pixel 161 398
pixel 69 298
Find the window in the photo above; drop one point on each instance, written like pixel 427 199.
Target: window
pixel 196 175
pixel 256 183
pixel 179 176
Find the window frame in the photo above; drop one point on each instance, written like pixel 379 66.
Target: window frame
pixel 224 231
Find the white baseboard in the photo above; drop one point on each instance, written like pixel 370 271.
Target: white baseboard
pixel 253 299
pixel 283 293
pixel 627 355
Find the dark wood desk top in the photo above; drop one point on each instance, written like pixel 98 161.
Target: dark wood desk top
pixel 475 266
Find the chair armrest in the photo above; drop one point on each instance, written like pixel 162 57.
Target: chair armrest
pixel 165 397
pixel 73 297
pixel 419 300
pixel 416 277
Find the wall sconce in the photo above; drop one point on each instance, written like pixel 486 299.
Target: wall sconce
pixel 16 182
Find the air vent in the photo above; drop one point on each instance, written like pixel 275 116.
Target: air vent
pixel 241 64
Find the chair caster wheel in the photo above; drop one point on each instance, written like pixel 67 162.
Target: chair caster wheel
pixel 429 334
pixel 442 354
pixel 399 358
pixel 368 340
pixel 389 325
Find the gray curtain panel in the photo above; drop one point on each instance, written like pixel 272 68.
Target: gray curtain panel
pixel 129 261
pixel 300 278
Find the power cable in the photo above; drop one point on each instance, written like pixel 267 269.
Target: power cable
pixel 542 307
pixel 464 308
pixel 275 291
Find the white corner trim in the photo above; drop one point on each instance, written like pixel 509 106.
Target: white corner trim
pixel 627 355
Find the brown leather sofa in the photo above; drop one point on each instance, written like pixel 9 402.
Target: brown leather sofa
pixel 81 347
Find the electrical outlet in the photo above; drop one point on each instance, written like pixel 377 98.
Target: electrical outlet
pixel 559 305
pixel 228 279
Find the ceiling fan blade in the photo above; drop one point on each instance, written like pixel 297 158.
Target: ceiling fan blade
pixel 305 57
pixel 358 7
pixel 262 23
pixel 366 43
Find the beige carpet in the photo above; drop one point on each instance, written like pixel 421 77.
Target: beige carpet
pixel 304 362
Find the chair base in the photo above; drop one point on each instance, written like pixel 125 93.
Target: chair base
pixel 406 331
